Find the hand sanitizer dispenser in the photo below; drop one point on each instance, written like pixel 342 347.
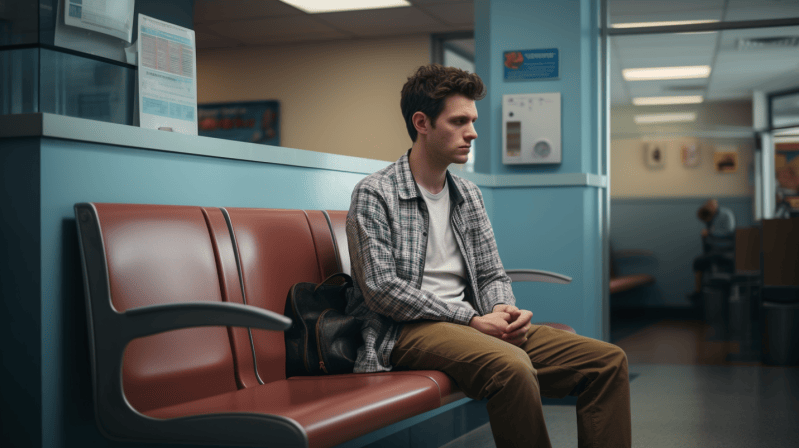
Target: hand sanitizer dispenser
pixel 531 128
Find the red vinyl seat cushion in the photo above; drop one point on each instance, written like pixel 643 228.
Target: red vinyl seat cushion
pixel 332 409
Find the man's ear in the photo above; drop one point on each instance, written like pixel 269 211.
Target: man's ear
pixel 420 122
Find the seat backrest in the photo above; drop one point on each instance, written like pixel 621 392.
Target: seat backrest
pixel 167 254
pixel 277 249
pixel 338 224
pixel 780 245
pixel 747 249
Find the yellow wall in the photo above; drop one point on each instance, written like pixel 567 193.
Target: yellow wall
pixel 339 97
pixel 720 127
pixel 631 178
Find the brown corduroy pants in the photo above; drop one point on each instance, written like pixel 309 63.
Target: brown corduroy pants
pixel 552 363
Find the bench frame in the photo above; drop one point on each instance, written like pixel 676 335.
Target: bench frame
pixel 111 331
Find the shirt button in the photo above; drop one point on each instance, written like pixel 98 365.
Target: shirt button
pixel 424 233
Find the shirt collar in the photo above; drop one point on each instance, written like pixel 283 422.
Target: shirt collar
pixel 407 185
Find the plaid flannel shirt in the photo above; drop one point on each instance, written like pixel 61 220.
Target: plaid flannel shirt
pixel 387 235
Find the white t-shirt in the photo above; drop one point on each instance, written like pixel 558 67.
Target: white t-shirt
pixel 445 272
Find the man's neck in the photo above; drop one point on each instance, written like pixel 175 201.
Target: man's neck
pixel 425 173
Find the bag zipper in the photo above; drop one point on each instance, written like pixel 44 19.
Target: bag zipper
pixel 322 366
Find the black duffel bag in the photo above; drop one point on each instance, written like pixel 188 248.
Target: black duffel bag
pixel 322 339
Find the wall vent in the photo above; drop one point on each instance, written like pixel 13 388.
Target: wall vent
pixel 758 43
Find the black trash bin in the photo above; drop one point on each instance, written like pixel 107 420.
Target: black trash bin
pixel 781 326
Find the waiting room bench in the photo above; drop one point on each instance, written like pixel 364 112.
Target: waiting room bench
pixel 184 311
pixel 621 283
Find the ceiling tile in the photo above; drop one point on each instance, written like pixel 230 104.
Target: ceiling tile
pixel 738 10
pixel 665 50
pixel 461 13
pixel 729 38
pixel 626 11
pixel 281 29
pixel 218 10
pixel 752 70
pixel 381 22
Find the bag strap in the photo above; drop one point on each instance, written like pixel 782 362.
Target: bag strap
pixel 330 280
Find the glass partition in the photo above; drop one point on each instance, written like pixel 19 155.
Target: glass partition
pixel 784 110
pixel 47 67
pixel 19 80
pixel 86 88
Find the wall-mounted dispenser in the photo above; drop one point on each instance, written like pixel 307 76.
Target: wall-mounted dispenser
pixel 531 128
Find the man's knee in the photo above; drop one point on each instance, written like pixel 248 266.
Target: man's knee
pixel 616 358
pixel 509 369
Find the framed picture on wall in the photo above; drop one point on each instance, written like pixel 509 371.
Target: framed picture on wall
pixel 725 161
pixel 690 155
pixel 654 155
pixel 251 121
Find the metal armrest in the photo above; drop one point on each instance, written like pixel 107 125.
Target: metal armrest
pixel 148 320
pixel 536 275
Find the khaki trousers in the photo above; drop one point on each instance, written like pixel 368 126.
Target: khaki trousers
pixel 552 363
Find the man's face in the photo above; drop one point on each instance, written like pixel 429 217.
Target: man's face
pixel 450 139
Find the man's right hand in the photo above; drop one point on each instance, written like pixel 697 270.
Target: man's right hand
pixel 494 324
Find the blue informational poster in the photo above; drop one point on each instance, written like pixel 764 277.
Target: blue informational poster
pixel 253 121
pixel 532 64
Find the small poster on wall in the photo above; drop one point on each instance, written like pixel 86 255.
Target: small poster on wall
pixel 690 155
pixel 654 155
pixel 252 121
pixel 726 161
pixel 539 64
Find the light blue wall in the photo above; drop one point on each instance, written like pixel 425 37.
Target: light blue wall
pixel 569 26
pixel 542 234
pixel 556 228
pixel 669 228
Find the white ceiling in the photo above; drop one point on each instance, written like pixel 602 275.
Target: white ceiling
pixel 735 72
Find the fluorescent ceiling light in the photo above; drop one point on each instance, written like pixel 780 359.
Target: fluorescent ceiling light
pixel 319 6
pixel 662 100
pixel 665 118
pixel 648 24
pixel 648 74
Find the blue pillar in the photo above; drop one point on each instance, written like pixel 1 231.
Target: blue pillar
pixel 549 216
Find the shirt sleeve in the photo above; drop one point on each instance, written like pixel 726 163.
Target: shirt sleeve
pixel 494 285
pixel 369 236
pixel 724 224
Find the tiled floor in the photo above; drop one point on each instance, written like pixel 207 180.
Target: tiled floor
pixel 688 393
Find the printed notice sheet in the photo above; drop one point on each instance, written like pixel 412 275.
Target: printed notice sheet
pixel 167 76
pixel 112 17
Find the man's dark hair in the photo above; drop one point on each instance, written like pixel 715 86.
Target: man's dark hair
pixel 704 214
pixel 427 89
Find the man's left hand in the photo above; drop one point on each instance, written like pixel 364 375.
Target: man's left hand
pixel 516 333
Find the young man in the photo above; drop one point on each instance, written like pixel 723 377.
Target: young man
pixel 434 295
pixel 718 239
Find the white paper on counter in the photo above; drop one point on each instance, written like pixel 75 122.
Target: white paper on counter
pixel 112 17
pixel 167 76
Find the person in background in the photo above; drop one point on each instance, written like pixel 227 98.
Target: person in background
pixel 718 238
pixel 433 294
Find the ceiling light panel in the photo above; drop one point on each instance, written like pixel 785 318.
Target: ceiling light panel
pixel 321 6
pixel 647 74
pixel 669 23
pixel 665 118
pixel 666 100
